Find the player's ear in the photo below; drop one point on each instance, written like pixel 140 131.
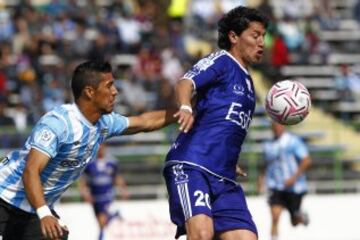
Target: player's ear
pixel 232 37
pixel 89 92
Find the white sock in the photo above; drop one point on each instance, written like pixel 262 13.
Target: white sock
pixel 274 238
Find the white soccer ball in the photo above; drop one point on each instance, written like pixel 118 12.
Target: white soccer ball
pixel 288 102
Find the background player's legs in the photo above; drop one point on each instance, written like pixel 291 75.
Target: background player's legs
pixel 200 227
pixel 238 234
pixel 102 219
pixel 275 217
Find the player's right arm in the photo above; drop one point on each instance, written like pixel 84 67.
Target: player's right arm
pixel 184 91
pixel 36 162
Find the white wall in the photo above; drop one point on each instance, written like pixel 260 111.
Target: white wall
pixel 332 217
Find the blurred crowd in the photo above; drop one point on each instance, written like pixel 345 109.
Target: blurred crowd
pixel 150 44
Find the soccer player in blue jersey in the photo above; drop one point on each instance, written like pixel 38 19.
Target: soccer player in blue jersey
pixel 97 186
pixel 287 158
pixel 58 149
pixel 205 200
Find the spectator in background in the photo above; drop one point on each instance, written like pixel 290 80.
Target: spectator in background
pixel 5 121
pixel 287 158
pixel 97 186
pixel 356 12
pixel 348 83
pixel 279 51
pixel 326 16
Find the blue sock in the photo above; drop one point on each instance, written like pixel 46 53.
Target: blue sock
pixel 101 235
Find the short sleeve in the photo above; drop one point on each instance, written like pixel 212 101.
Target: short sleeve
pixel 300 149
pixel 114 124
pixel 205 72
pixel 48 134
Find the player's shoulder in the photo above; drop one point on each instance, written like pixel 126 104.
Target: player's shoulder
pixel 294 138
pixel 56 117
pixel 213 59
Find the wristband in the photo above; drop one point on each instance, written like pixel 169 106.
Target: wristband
pixel 43 211
pixel 186 107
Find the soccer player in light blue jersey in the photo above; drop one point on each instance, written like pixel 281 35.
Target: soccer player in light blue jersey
pixel 205 200
pixel 58 149
pixel 287 158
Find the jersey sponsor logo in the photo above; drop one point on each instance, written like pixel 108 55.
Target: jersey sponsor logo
pixel 239 117
pixel 45 137
pixel 69 163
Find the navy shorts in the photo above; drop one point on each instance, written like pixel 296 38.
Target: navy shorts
pixel 101 207
pixel 16 224
pixel 194 191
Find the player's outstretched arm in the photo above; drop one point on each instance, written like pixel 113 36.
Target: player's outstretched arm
pixel 184 91
pixel 36 162
pixel 150 121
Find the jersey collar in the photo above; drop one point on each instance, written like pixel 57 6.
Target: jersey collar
pixel 241 66
pixel 81 116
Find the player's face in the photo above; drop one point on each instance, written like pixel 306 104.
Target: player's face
pixel 105 94
pixel 277 129
pixel 249 45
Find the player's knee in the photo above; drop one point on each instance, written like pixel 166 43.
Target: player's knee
pixel 202 234
pixel 102 220
pixel 275 219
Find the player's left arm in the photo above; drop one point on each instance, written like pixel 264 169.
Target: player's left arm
pixel 304 165
pixel 301 152
pixel 36 162
pixel 122 186
pixel 149 121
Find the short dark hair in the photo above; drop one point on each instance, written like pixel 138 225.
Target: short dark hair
pixel 88 74
pixel 237 20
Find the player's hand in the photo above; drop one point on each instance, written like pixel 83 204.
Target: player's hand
pixel 290 181
pixel 185 119
pixel 51 228
pixel 240 171
pixel 125 195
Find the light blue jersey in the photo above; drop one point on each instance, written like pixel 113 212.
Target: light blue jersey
pixel 283 157
pixel 71 142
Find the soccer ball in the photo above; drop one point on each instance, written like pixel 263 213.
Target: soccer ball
pixel 288 102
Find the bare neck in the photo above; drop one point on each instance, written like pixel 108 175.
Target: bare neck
pixel 238 57
pixel 89 112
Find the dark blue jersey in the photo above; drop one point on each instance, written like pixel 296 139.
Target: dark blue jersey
pixel 101 176
pixel 223 112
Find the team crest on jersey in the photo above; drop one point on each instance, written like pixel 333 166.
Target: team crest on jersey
pixel 238 89
pixel 45 137
pixel 104 132
pixel 180 175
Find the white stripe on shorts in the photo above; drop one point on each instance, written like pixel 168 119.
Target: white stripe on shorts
pixel 184 196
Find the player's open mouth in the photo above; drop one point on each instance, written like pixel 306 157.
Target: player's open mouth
pixel 260 52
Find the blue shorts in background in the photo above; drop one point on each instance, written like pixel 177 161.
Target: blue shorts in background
pixel 194 191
